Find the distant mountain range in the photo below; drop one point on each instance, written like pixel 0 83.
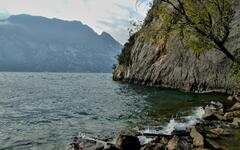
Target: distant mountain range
pixel 33 43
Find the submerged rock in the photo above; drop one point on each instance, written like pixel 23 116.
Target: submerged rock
pixel 214 145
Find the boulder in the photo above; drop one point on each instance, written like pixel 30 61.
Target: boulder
pixel 127 142
pixel 164 141
pixel 236 122
pixel 228 116
pixel 236 97
pixel 230 98
pixel 173 143
pixel 236 106
pixel 215 105
pixel 185 143
pixel 231 115
pixel 99 146
pixel 208 115
pixel 236 113
pixel 220 112
pixel 217 131
pixel 198 140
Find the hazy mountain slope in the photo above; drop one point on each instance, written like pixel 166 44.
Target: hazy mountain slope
pixel 33 43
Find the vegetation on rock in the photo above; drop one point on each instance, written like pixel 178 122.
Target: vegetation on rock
pixel 235 73
pixel 125 57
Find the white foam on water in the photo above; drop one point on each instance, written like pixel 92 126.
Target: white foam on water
pixel 174 124
pixel 144 140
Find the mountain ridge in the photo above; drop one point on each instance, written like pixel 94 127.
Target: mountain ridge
pixel 36 43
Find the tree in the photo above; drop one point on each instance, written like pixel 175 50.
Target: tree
pixel 202 24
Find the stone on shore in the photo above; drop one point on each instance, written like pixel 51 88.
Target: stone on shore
pixel 217 131
pixel 99 146
pixel 198 140
pixel 164 141
pixel 173 143
pixel 230 98
pixel 236 97
pixel 231 115
pixel 236 122
pixel 127 142
pixel 236 106
pixel 208 115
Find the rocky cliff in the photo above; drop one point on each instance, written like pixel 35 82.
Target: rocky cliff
pixel 153 59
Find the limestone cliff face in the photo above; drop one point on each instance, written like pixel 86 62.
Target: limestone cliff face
pixel 156 60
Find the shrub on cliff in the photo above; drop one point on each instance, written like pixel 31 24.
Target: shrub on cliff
pixel 125 57
pixel 235 73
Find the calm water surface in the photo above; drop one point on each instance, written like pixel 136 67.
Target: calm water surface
pixel 45 110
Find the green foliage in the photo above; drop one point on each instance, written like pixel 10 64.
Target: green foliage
pixel 125 57
pixel 201 24
pixel 235 73
pixel 197 42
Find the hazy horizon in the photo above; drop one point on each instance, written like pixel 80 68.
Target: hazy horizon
pixel 112 16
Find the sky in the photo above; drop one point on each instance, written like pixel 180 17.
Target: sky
pixel 112 16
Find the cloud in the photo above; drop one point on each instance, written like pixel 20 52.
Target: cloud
pixel 112 16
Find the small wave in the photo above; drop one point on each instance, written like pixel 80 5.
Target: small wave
pixel 175 125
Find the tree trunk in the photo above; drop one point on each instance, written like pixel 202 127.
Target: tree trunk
pixel 226 52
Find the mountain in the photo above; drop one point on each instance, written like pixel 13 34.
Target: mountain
pixel 34 43
pixel 149 58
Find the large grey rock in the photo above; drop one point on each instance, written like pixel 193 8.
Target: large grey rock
pixel 173 143
pixel 198 140
pixel 127 142
pixel 157 61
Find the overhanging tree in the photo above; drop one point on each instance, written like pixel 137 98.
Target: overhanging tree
pixel 202 24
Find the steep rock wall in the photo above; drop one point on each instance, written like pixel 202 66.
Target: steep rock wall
pixel 157 60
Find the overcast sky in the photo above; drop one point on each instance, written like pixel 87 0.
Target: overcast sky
pixel 112 16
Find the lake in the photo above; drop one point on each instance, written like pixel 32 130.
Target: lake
pixel 46 110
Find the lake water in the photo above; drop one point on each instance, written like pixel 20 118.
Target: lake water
pixel 46 110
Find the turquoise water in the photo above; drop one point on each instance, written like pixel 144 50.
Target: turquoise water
pixel 45 110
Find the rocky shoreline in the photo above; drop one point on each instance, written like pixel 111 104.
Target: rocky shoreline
pixel 217 122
